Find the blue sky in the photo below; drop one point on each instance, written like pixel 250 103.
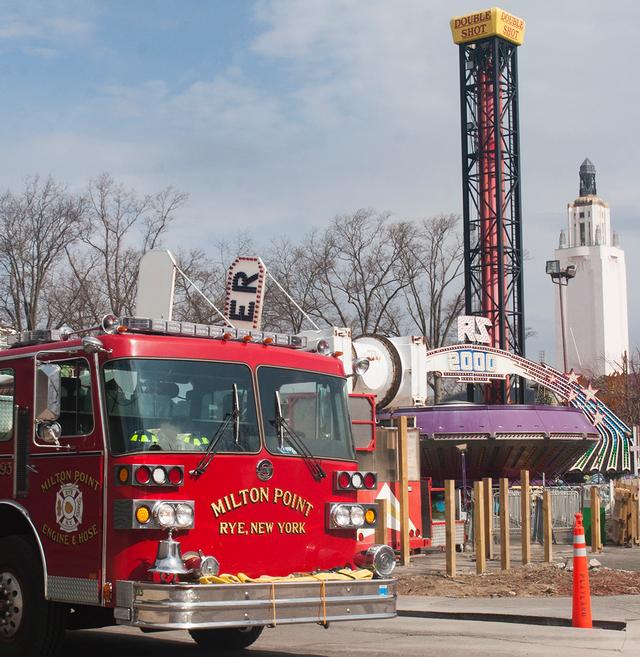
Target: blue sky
pixel 276 115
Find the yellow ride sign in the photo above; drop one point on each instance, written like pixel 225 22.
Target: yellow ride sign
pixel 487 23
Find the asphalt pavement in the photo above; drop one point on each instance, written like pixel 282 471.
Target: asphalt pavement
pixel 426 626
pixel 411 636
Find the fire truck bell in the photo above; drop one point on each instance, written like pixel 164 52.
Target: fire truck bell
pixel 169 559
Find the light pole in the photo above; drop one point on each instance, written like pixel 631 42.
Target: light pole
pixel 462 450
pixel 561 278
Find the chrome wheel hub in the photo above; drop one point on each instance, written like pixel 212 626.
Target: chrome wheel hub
pixel 11 605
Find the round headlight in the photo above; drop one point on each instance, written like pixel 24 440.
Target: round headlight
pixel 384 560
pixel 175 476
pixel 159 475
pixel 184 515
pixel 379 558
pixel 143 515
pixel 360 365
pixel 143 475
pixel 209 566
pixel 357 516
pixel 370 480
pixel 341 516
pixel 322 347
pixel 370 516
pixel 165 514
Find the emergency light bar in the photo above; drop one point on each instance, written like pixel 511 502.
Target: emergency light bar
pixel 163 327
pixel 167 327
pixel 37 336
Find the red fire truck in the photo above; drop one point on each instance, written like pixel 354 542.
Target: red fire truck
pixel 169 475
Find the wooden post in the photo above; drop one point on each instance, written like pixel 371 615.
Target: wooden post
pixel 403 462
pixel 635 512
pixel 505 555
pixel 488 517
pixel 381 534
pixel 478 526
pixel 595 519
pixel 525 514
pixel 450 525
pixel 547 526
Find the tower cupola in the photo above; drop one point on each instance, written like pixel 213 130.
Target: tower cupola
pixel 588 178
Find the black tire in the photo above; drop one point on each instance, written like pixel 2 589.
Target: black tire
pixel 34 627
pixel 235 638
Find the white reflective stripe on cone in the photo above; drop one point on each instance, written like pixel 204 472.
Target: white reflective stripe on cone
pixel 579 552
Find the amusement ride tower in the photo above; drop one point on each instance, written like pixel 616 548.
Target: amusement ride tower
pixel 488 42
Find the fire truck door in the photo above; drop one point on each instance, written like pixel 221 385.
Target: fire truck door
pixel 65 480
pixel 7 430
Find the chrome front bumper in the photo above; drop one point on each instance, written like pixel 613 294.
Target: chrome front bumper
pixel 194 606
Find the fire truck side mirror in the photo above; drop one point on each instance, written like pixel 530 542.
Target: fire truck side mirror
pixel 47 403
pixel 93 345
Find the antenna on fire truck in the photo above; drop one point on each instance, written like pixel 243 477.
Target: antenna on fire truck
pixel 293 301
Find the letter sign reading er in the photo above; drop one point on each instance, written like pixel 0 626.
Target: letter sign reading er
pixel 245 292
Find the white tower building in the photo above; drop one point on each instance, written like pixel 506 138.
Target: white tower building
pixel 597 332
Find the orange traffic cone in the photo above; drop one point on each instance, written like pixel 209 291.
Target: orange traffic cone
pixel 581 595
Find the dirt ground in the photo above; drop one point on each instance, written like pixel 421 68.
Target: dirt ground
pixel 533 580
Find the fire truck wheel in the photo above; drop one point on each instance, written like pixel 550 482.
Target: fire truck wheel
pixel 29 625
pixel 226 639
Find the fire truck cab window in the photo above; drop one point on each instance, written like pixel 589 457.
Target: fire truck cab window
pixel 6 404
pixel 76 412
pixel 178 405
pixel 313 407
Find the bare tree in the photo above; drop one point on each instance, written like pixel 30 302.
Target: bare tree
pixel 209 278
pixel 373 275
pixel 355 278
pixel 120 227
pixel 209 274
pixel 78 291
pixel 432 264
pixel 621 389
pixel 36 227
pixel 291 266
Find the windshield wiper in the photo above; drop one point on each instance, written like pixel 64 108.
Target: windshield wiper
pixel 235 412
pixel 212 447
pixel 284 432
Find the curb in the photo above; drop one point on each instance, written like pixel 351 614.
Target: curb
pixel 508 618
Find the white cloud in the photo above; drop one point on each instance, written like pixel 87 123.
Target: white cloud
pixel 360 107
pixel 15 28
pixel 42 22
pixel 46 53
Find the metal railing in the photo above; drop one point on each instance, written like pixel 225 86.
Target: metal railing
pixel 565 503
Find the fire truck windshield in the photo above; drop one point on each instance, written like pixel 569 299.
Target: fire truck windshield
pixel 314 407
pixel 177 405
